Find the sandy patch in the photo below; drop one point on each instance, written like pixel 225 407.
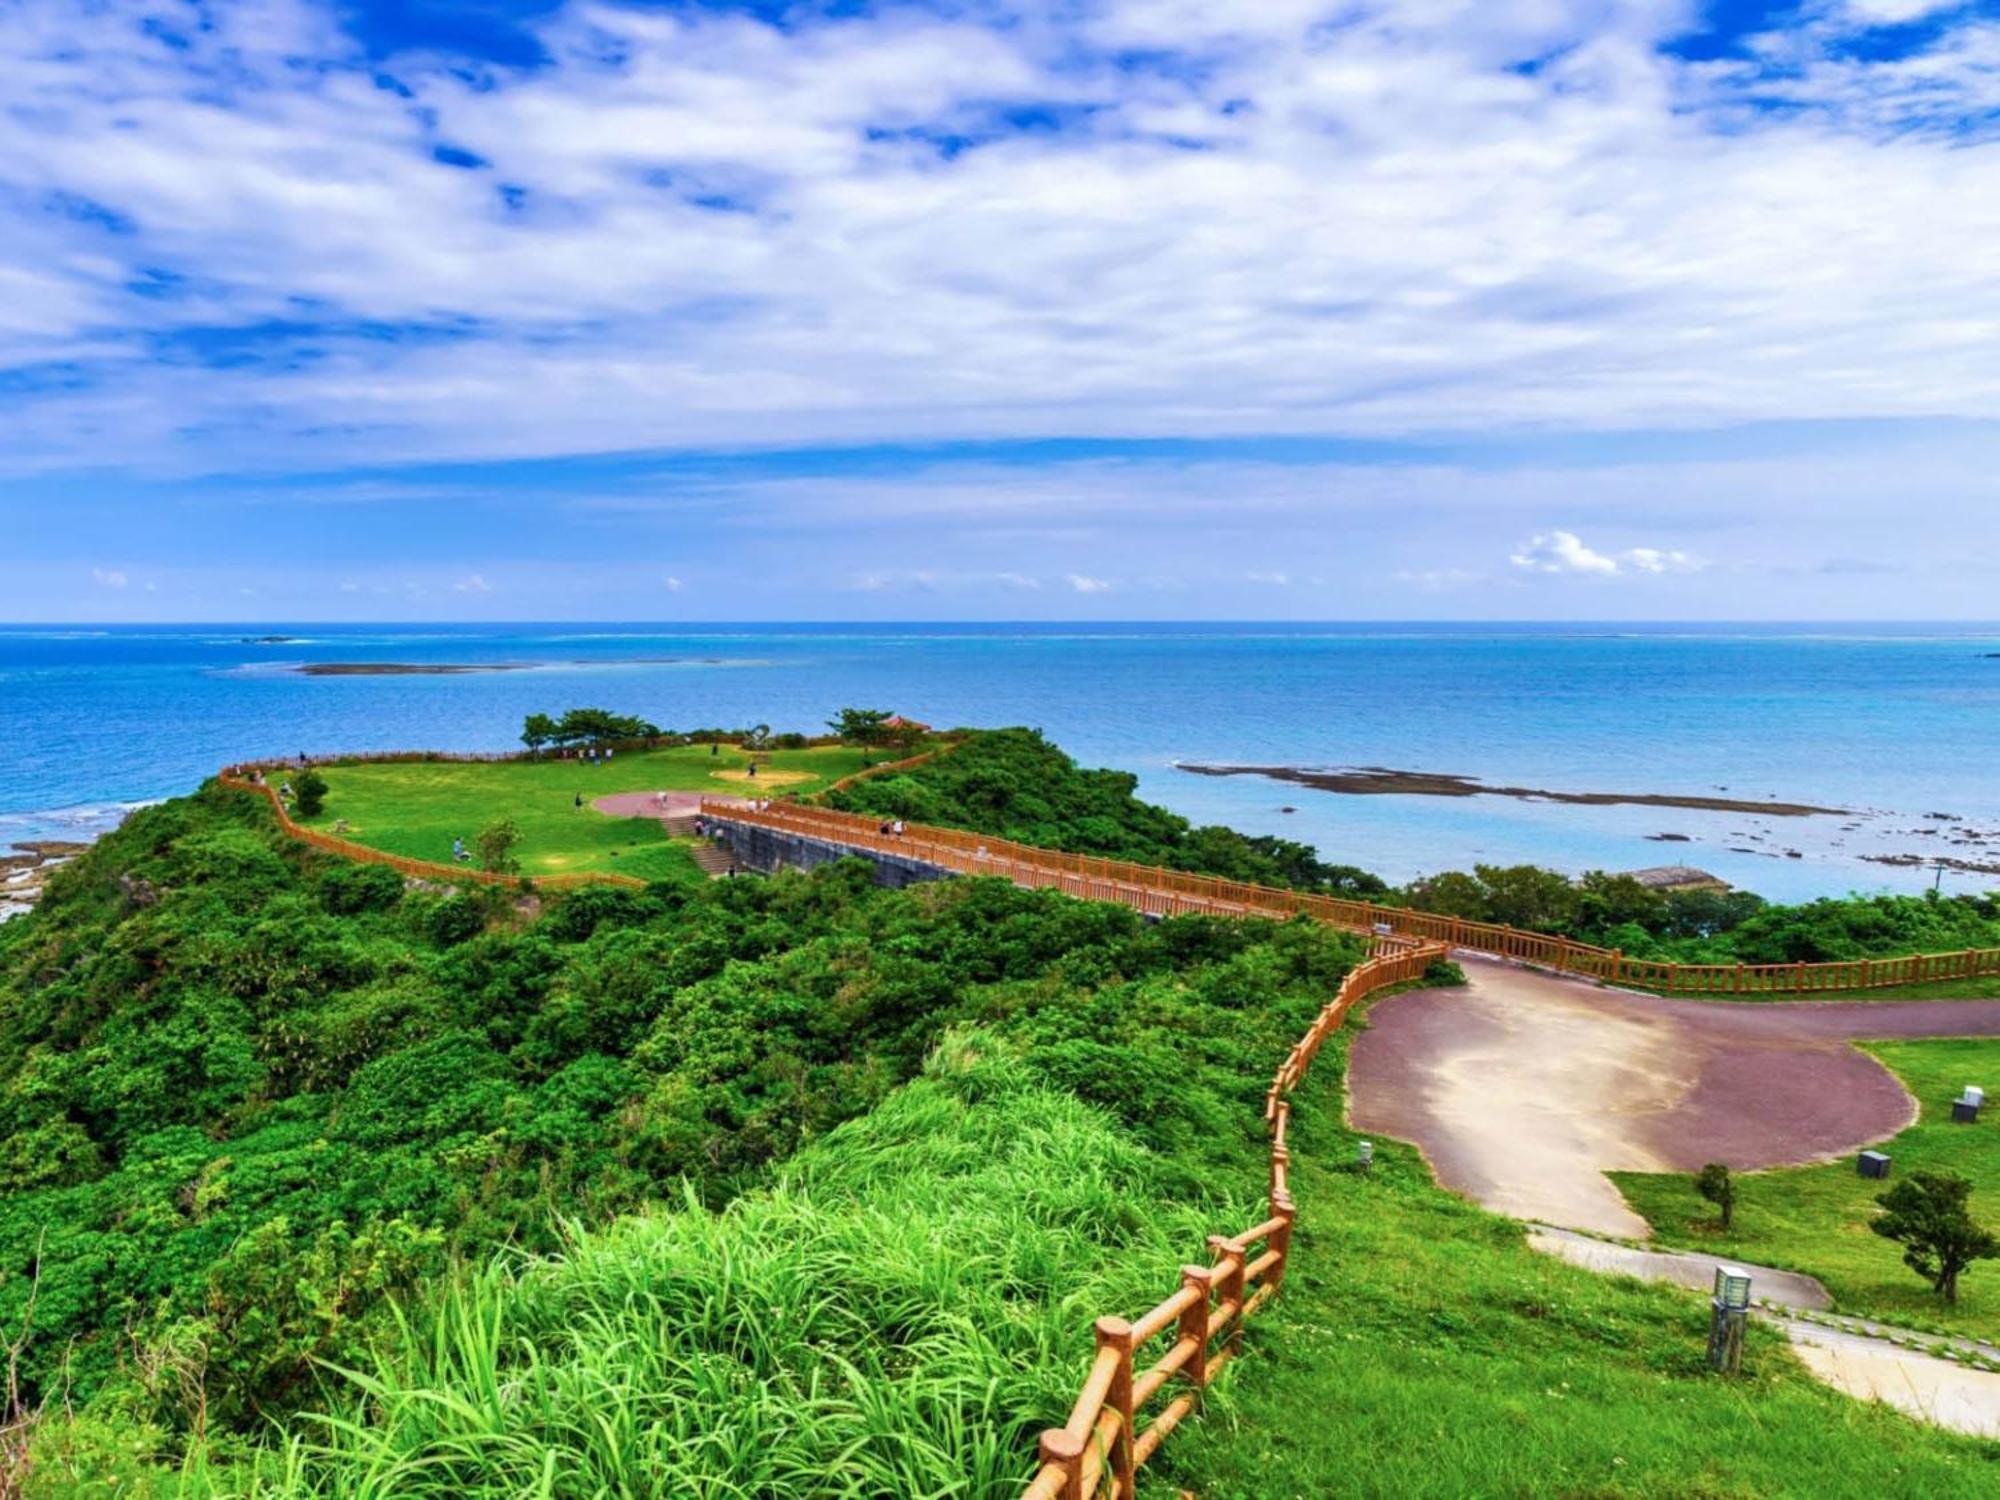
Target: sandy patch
pixel 764 777
pixel 1524 1088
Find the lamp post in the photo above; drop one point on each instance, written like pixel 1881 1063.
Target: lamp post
pixel 1729 1310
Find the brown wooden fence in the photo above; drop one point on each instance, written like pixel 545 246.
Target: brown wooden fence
pixel 1163 892
pixel 1113 1428
pixel 422 868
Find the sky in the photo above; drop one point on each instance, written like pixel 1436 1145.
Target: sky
pixel 981 309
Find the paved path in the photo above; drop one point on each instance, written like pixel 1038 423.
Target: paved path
pixel 1870 1361
pixel 1523 1088
pixel 1681 1267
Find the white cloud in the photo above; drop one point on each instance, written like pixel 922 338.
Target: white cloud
pixel 1656 560
pixel 1274 580
pixel 1565 552
pixel 1083 583
pixel 109 578
pixel 715 230
pixel 1562 552
pixel 672 584
pixel 1892 12
pixel 472 583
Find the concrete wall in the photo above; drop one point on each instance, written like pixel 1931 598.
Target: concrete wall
pixel 767 850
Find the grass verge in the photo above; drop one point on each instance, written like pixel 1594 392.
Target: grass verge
pixel 1815 1219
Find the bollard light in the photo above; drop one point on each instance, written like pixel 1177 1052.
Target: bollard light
pixel 1364 1155
pixel 1732 1287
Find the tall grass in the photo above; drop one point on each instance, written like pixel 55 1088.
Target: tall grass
pixel 898 1314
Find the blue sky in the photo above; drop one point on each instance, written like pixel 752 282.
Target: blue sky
pixel 413 309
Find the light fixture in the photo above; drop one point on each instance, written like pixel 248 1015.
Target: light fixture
pixel 1732 1287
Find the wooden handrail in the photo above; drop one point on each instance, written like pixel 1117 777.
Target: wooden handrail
pixel 1103 1444
pixel 1162 892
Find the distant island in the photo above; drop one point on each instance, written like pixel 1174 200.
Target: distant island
pixel 1381 781
pixel 405 669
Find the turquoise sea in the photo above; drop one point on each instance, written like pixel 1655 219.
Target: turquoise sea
pixel 1891 724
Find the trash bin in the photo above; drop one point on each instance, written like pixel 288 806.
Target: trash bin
pixel 1964 1112
pixel 1872 1164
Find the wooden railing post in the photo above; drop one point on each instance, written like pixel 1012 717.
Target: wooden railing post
pixel 1229 1285
pixel 1194 1321
pixel 1116 1333
pixel 1281 1238
pixel 1065 1451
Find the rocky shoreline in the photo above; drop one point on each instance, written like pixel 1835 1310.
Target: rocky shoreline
pixel 24 873
pixel 1382 781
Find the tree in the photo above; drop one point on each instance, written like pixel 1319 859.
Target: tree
pixel 538 730
pixel 1926 1214
pixel 861 726
pixel 597 726
pixel 905 736
pixel 1715 1184
pixel 758 737
pixel 310 789
pixel 496 844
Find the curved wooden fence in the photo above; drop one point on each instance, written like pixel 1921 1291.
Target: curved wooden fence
pixel 1109 1435
pixel 422 868
pixel 1163 892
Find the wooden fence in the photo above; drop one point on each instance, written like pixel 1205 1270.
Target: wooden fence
pixel 1163 892
pixel 1109 1435
pixel 422 868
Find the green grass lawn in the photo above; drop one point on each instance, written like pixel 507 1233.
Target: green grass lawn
pixel 417 808
pixel 1815 1219
pixel 1420 1349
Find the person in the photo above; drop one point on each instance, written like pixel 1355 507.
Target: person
pixel 609 751
pixel 458 850
pixel 883 828
pixel 579 801
pixel 897 828
pixel 753 770
pixel 715 747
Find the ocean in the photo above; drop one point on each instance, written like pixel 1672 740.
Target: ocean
pixel 1896 727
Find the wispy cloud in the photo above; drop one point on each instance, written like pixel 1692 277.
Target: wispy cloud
pixel 109 578
pixel 1083 583
pixel 472 583
pixel 1566 552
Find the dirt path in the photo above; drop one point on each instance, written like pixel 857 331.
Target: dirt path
pixel 655 804
pixel 1524 1088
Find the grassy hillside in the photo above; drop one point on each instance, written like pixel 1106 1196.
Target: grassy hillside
pixel 319 1184
pixel 416 808
pixel 1422 1350
pixel 251 1096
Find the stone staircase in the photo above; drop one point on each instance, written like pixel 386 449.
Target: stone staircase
pixel 680 826
pixel 716 860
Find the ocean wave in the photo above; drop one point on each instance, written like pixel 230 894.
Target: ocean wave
pixel 79 823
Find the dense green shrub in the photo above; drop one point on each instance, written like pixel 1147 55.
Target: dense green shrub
pixel 239 1117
